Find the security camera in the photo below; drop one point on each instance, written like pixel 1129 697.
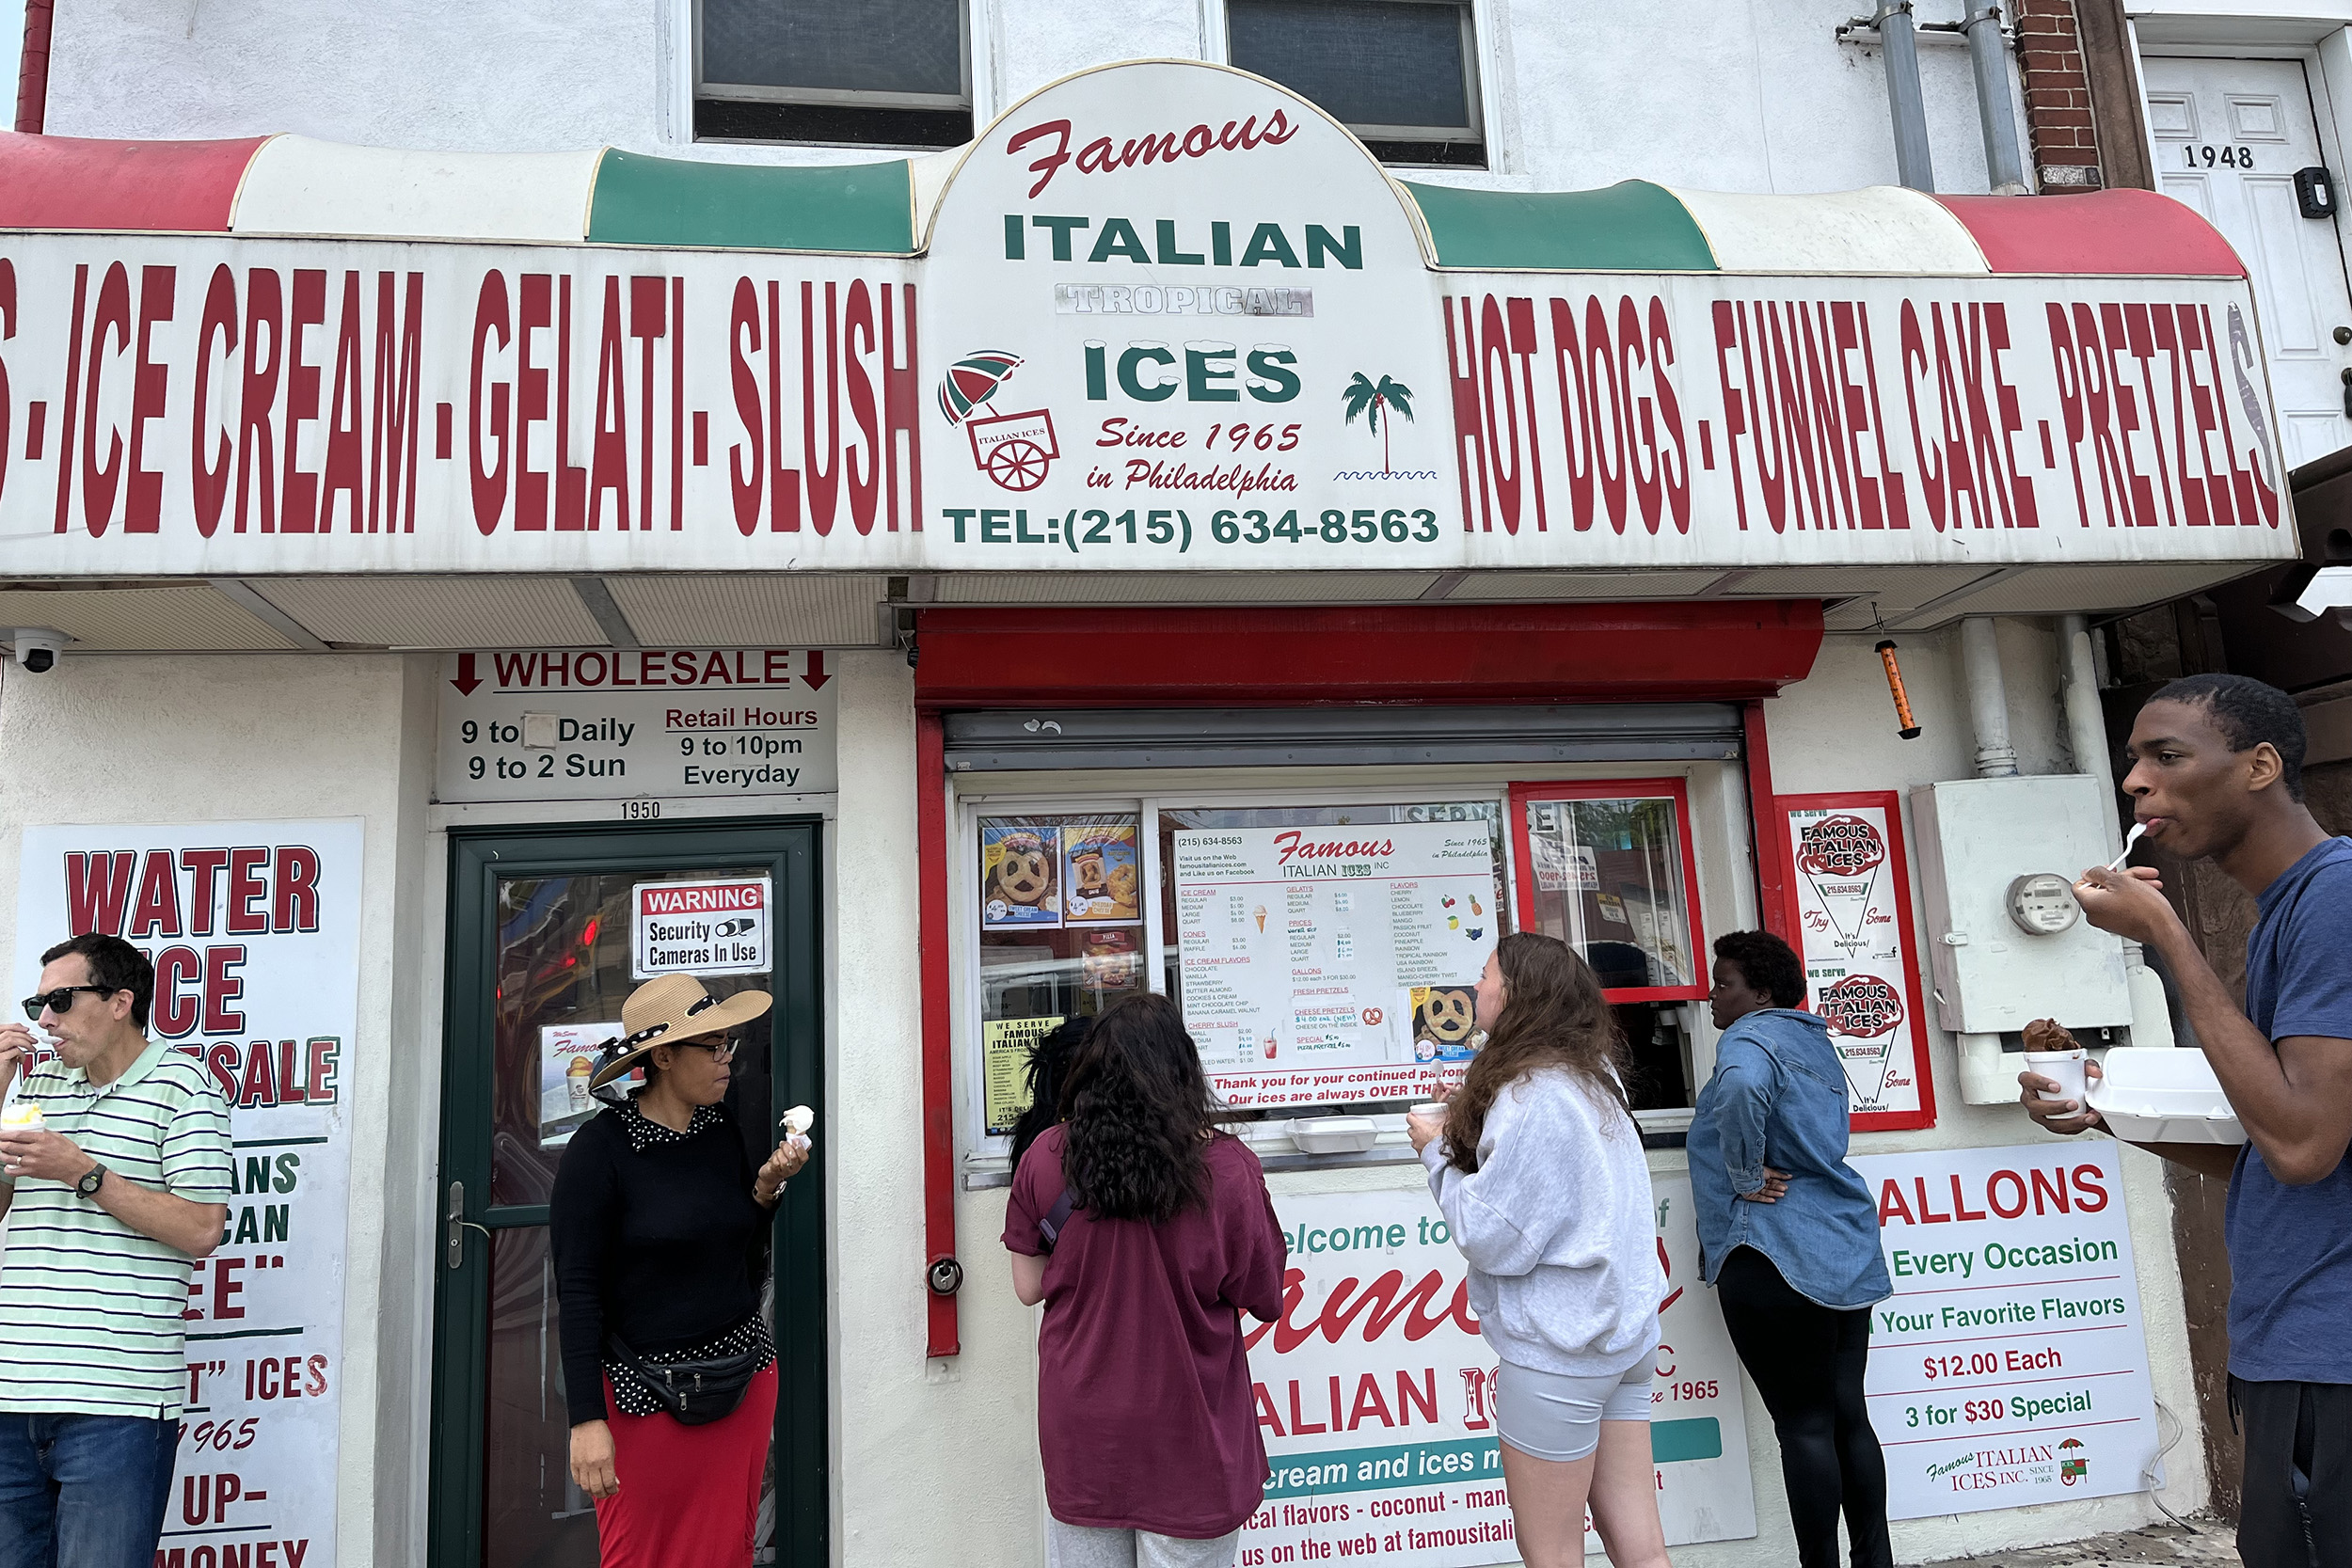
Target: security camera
pixel 38 648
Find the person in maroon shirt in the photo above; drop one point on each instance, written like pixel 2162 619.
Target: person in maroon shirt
pixel 1145 1419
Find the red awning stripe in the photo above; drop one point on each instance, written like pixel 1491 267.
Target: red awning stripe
pixel 64 182
pixel 2121 233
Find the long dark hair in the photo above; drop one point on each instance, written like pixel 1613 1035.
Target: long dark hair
pixel 1139 1111
pixel 1553 1015
pixel 1049 1064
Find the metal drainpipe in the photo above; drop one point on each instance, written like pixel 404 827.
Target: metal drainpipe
pixel 32 77
pixel 2085 728
pixel 1908 109
pixel 1996 110
pixel 1988 699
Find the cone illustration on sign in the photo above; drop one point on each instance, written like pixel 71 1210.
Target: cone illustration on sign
pixel 1840 856
pixel 1863 1012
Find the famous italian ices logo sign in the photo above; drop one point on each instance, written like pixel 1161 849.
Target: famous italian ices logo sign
pixel 1162 315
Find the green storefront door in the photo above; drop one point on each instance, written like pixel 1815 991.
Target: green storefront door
pixel 539 964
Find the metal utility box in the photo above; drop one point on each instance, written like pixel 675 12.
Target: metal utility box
pixel 1989 851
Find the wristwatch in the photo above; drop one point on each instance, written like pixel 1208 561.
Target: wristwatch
pixel 88 1186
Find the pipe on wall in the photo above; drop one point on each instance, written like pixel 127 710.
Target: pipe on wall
pixel 32 76
pixel 2086 726
pixel 1988 699
pixel 1905 104
pixel 1996 106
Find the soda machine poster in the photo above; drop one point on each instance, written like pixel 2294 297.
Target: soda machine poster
pixel 1850 889
pixel 254 930
pixel 1375 1394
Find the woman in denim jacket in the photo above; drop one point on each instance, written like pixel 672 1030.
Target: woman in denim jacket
pixel 1788 1236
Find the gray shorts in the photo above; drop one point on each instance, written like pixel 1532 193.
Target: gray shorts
pixel 1082 1546
pixel 1554 1416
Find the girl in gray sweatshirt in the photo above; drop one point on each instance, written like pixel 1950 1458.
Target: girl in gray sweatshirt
pixel 1538 1167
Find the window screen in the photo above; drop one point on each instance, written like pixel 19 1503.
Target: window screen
pixel 862 70
pixel 1400 73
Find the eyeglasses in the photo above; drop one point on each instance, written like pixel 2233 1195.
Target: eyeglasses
pixel 722 1048
pixel 61 1000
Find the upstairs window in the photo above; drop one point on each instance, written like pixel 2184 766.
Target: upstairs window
pixel 870 73
pixel 1402 74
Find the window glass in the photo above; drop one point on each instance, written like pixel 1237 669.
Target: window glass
pixel 1398 73
pixel 1607 878
pixel 1062 935
pixel 1324 954
pixel 892 46
pixel 886 72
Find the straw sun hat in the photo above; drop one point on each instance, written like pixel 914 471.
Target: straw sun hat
pixel 669 1010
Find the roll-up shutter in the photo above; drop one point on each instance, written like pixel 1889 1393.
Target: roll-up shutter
pixel 997 741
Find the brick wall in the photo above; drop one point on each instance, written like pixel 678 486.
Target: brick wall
pixel 2058 95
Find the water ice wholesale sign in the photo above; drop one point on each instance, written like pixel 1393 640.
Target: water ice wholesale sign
pixel 703 928
pixel 2010 1367
pixel 254 930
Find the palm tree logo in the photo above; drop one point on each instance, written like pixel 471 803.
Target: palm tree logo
pixel 1366 397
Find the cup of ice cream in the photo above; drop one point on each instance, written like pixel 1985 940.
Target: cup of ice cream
pixel 22 1116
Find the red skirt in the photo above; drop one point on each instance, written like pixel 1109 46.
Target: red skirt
pixel 690 1495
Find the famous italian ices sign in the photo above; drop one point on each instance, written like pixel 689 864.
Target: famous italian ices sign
pixel 254 930
pixel 1375 1395
pixel 1159 316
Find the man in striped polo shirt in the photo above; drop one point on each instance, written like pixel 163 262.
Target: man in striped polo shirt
pixel 105 1205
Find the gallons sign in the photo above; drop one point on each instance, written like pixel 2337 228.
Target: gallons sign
pixel 1310 954
pixel 254 930
pixel 1852 896
pixel 709 927
pixel 1375 1395
pixel 2010 1366
pixel 1165 316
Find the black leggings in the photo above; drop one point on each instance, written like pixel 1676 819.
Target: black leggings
pixel 1807 1360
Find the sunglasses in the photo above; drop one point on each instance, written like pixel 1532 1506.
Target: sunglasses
pixel 60 999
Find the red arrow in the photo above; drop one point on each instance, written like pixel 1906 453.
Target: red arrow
pixel 815 675
pixel 466 679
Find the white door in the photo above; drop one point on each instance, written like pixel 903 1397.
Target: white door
pixel 2229 135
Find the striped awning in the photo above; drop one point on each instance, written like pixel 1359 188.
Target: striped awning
pixel 286 185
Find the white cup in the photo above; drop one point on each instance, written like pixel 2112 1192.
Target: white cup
pixel 1430 1108
pixel 2067 1067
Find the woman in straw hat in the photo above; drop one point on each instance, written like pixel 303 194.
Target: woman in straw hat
pixel 661 1229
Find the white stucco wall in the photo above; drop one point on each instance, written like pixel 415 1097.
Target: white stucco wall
pixel 1745 95
pixel 169 739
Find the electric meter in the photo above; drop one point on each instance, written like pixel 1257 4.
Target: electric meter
pixel 2042 904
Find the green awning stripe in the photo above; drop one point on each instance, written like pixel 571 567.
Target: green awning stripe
pixel 674 202
pixel 1632 226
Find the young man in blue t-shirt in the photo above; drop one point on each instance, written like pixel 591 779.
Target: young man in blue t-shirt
pixel 2217 774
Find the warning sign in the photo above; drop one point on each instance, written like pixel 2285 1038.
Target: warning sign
pixel 707 927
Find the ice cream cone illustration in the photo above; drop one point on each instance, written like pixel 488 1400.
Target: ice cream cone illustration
pixel 1259 913
pixel 1864 1013
pixel 1841 857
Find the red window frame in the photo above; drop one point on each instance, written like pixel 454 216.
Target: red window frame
pixel 1523 869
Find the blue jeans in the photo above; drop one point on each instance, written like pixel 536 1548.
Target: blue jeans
pixel 84 1491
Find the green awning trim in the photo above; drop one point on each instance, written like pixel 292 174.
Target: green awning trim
pixel 674 202
pixel 1632 226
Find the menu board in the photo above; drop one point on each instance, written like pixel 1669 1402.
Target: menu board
pixel 1302 950
pixel 1852 893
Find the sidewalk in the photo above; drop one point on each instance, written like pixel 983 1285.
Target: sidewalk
pixel 2212 1546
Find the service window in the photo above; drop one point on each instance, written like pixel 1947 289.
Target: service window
pixel 1322 941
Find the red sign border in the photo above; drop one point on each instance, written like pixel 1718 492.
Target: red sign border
pixel 1890 801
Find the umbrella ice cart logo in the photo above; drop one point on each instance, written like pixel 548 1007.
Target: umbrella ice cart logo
pixel 1014 449
pixel 2073 1461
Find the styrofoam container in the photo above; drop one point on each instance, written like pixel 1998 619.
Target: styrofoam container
pixel 1334 1134
pixel 2151 1093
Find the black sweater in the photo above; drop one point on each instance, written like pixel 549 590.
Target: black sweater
pixel 664 1248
